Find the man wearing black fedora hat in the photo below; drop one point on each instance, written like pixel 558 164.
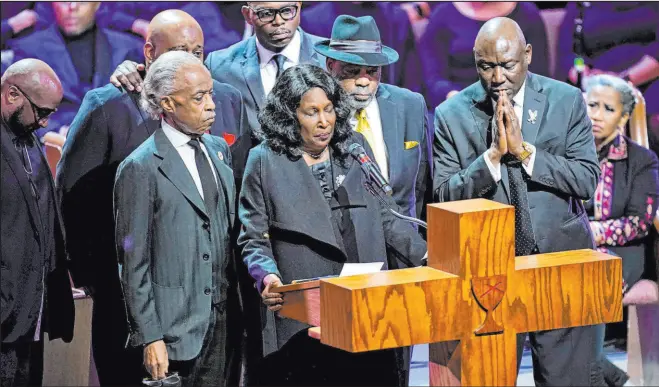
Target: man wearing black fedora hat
pixel 392 119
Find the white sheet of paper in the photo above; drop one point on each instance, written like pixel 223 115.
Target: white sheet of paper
pixel 360 268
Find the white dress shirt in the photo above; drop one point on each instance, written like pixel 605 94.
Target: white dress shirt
pixel 268 64
pixel 518 106
pixel 180 142
pixel 380 149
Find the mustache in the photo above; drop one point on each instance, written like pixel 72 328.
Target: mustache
pixel 361 90
pixel 280 31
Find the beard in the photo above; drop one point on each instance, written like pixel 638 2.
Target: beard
pixel 17 125
pixel 356 104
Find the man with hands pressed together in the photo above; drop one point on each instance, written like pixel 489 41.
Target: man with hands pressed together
pixel 525 140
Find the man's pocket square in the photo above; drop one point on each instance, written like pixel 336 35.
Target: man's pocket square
pixel 411 144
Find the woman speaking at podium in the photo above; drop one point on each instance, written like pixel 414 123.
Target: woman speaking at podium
pixel 305 212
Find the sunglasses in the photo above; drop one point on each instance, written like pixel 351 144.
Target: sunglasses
pixel 268 15
pixel 170 380
pixel 40 113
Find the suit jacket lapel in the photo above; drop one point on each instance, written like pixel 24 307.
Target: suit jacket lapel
pixel 225 176
pixel 59 226
pixel 252 72
pixel 317 221
pixel 534 103
pixel 174 169
pixel 482 113
pixel 102 59
pixel 10 154
pixel 307 52
pixel 392 131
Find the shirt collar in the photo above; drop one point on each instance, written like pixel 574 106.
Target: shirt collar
pixel 177 138
pixel 291 51
pixel 372 109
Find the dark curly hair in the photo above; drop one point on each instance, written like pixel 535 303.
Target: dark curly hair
pixel 280 128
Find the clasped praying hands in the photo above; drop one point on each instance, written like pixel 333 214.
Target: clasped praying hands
pixel 507 136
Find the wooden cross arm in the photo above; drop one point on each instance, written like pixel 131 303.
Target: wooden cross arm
pixel 391 309
pixel 381 310
pixel 561 290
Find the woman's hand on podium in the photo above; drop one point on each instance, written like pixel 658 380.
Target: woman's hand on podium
pixel 156 360
pixel 273 301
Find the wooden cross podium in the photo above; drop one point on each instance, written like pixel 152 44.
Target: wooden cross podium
pixel 474 290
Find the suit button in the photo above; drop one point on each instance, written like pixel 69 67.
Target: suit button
pixel 206 257
pixel 207 291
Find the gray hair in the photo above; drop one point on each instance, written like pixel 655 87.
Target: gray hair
pixel 160 80
pixel 623 88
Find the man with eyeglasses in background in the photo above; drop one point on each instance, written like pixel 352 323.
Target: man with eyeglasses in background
pixel 36 292
pixel 251 66
pixel 109 126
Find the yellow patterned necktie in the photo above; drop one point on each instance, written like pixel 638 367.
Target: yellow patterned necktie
pixel 364 128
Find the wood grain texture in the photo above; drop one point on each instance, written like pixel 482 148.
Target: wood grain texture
pixel 302 305
pixel 564 291
pixel 467 242
pixel 392 309
pixel 470 242
pixel 475 239
pixel 489 360
pixel 301 302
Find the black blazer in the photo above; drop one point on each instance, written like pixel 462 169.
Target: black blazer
pixel 287 228
pixel 21 243
pixel 109 126
pixel 565 172
pixel 624 205
pixel 409 147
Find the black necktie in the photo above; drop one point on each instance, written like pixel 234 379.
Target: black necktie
pixel 280 60
pixel 524 238
pixel 208 185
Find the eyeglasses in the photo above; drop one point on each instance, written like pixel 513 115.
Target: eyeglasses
pixel 268 15
pixel 170 380
pixel 40 113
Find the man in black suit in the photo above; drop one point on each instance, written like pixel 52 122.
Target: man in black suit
pixel 525 140
pixel 174 199
pixel 109 126
pixel 398 34
pixel 82 53
pixel 36 292
pixel 251 66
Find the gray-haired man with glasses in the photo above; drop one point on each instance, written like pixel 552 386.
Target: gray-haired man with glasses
pixel 36 293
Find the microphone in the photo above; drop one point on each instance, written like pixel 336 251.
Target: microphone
pixel 370 168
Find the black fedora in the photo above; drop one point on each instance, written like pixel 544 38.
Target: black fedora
pixel 356 40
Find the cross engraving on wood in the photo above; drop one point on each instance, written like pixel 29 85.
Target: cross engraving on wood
pixel 474 290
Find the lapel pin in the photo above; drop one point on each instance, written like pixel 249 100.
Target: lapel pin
pixel 533 115
pixel 220 156
pixel 339 179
